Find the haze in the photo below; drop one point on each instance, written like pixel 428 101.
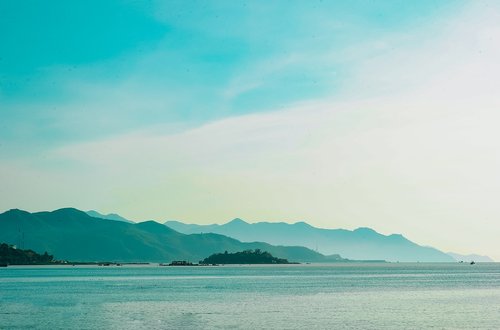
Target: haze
pixel 342 114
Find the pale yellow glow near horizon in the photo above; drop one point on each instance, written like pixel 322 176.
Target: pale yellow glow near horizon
pixel 422 160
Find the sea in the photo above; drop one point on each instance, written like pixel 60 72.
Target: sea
pixel 306 296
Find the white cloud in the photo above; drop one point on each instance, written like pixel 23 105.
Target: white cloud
pixel 421 159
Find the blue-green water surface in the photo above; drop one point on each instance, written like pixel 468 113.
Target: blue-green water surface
pixel 336 296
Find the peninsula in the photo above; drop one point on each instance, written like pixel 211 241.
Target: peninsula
pixel 10 255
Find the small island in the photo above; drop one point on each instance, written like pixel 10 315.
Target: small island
pixel 179 263
pixel 245 257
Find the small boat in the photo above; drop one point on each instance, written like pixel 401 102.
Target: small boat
pixel 472 262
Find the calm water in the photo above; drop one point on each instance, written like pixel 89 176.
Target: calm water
pixel 357 296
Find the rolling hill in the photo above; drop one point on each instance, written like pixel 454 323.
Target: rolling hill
pixel 71 234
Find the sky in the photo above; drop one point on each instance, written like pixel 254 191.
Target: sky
pixel 344 114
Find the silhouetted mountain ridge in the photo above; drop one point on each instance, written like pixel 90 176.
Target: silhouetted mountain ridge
pixel 74 235
pixel 360 244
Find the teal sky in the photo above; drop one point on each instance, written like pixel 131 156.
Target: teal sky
pixel 340 113
pixel 192 61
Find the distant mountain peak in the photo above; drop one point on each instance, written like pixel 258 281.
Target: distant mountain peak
pixel 172 221
pixel 237 221
pixel 109 216
pixel 398 236
pixel 70 211
pixel 152 225
pixel 302 224
pixel 365 230
pixel 14 211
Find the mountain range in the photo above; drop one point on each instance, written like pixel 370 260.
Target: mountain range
pixel 71 234
pixel 91 236
pixel 359 244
